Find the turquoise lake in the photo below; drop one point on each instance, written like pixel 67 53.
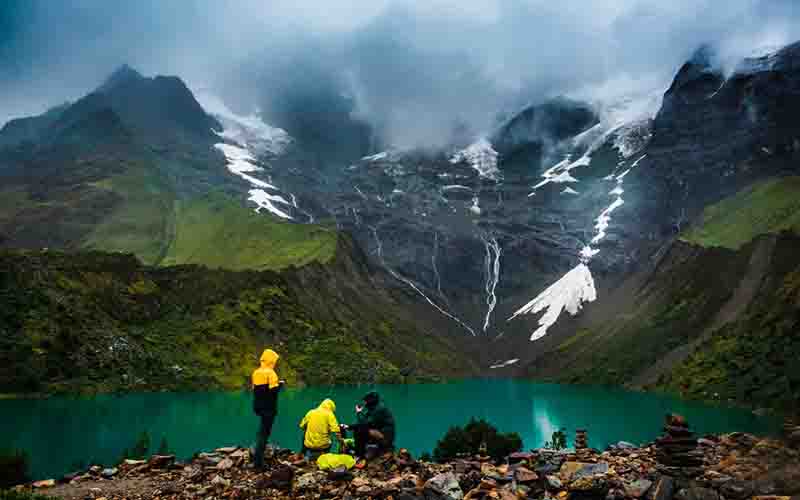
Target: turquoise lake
pixel 60 433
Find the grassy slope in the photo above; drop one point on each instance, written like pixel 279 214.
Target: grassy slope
pixel 142 222
pixel 752 360
pixel 219 232
pixel 103 322
pixel 767 207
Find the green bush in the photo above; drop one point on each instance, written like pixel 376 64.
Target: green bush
pixel 477 437
pixel 558 440
pixel 13 468
pixel 140 449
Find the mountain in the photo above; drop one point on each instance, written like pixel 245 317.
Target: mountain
pixel 632 241
pixel 170 262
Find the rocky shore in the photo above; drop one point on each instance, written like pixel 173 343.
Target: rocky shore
pixel 676 466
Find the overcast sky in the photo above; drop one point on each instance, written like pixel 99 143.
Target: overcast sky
pixel 413 67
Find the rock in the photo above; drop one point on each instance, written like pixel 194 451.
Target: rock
pixel 772 497
pixel 310 480
pixel 45 483
pixel 490 471
pixel 664 489
pixel 109 473
pixel 95 470
pixel 445 484
pixel 240 453
pixel 161 461
pixel 696 493
pixel 554 483
pixel 523 475
pixel 576 470
pixel 638 488
pixel 133 463
pixel 521 456
pixel 225 464
pixel 226 449
pixel 624 445
pixel 220 482
pixel 596 485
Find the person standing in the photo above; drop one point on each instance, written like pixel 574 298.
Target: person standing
pixel 266 386
pixel 318 425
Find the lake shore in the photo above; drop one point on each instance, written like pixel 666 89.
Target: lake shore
pixel 677 465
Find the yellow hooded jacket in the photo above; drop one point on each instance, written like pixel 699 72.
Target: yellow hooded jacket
pixel 266 385
pixel 319 424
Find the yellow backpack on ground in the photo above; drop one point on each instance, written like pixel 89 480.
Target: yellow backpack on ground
pixel 330 461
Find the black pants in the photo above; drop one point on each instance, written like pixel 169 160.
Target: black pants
pixel 264 430
pixel 362 439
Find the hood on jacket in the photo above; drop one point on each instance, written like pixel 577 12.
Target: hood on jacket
pixel 269 358
pixel 372 399
pixel 329 405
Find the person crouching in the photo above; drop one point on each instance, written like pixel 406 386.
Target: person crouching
pixel 317 426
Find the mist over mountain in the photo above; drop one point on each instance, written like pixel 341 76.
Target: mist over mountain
pixel 412 72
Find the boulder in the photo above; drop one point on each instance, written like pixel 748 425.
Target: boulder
pixel 523 475
pixel 44 483
pixel 226 449
pixel 664 489
pixel 161 461
pixel 310 480
pixel 133 463
pixel 220 482
pixel 696 493
pixel 446 485
pixel 553 482
pixel 225 464
pixel 576 470
pixel 109 472
pixel 638 488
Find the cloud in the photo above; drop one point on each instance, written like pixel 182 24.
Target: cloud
pixel 414 69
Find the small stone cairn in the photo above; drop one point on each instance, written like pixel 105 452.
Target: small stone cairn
pixel 677 452
pixel 581 442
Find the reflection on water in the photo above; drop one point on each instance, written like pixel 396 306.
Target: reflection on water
pixel 60 433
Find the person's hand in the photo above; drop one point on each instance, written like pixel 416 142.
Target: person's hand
pixel 359 408
pixel 376 435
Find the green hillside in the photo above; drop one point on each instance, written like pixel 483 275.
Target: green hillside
pixel 767 207
pixel 93 321
pixel 219 232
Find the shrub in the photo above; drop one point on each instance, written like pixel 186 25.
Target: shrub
pixel 478 436
pixel 140 448
pixel 13 468
pixel 558 440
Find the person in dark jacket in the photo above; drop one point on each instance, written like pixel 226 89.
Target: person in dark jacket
pixel 266 387
pixel 374 430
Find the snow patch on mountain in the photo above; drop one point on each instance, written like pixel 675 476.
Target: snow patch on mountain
pixel 481 156
pixel 247 137
pixel 625 120
pixel 249 131
pixel 504 364
pixel 568 293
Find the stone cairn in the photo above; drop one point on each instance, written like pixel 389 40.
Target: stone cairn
pixel 677 452
pixel 580 439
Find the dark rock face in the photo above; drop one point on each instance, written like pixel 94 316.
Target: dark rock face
pixel 536 128
pixel 714 134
